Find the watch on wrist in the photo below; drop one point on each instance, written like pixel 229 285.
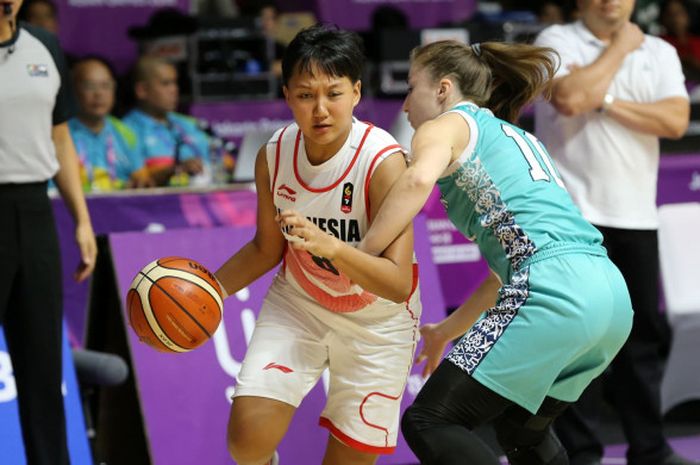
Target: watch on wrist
pixel 608 100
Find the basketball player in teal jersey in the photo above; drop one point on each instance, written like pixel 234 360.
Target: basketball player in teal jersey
pixel 555 310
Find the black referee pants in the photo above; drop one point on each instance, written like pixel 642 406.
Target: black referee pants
pixel 632 382
pixel 31 315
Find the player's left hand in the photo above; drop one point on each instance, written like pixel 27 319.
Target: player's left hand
pixel 310 237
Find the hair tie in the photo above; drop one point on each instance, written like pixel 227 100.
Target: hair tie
pixel 476 49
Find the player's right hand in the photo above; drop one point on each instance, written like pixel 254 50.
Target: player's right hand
pixel 302 234
pixel 434 343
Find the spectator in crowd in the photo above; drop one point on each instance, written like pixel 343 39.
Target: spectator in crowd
pixel 675 18
pixel 269 18
pixel 550 12
pixel 106 147
pixel 616 93
pixel 35 146
pixel 40 13
pixel 172 146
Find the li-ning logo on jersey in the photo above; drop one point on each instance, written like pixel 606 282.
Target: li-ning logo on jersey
pixel 287 192
pixel 346 199
pixel 38 70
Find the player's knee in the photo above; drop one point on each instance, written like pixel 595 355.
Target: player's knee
pixel 244 445
pixel 415 419
pixel 246 453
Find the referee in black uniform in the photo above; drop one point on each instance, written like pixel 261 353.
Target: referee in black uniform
pixel 35 145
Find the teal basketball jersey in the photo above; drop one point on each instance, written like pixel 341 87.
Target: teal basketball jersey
pixel 505 193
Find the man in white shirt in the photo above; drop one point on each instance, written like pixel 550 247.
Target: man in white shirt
pixel 616 92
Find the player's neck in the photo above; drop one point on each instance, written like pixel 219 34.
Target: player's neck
pixel 318 154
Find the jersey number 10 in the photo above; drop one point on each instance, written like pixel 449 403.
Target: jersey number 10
pixel 537 171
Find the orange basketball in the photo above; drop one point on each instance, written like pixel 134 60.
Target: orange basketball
pixel 174 304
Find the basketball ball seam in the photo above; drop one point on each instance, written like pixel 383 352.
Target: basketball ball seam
pixel 166 344
pixel 178 304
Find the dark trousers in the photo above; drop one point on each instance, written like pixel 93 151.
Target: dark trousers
pixel 632 381
pixel 438 426
pixel 30 312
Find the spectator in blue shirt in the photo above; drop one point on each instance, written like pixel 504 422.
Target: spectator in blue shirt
pixel 106 147
pixel 172 145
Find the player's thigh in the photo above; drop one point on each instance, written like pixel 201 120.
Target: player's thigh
pixel 368 373
pixel 286 354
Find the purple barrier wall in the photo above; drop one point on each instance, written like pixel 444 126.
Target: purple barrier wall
pixel 185 397
pixel 459 262
pixel 356 14
pixel 143 210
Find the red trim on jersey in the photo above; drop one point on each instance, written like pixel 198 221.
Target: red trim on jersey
pixel 414 286
pixel 277 160
pixel 350 442
pixel 335 184
pixel 369 175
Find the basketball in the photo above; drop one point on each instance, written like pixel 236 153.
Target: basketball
pixel 174 304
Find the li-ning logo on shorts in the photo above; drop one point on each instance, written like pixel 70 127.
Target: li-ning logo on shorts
pixel 287 192
pixel 38 70
pixel 277 366
pixel 346 200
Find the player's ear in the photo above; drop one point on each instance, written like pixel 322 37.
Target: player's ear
pixel 285 91
pixel 356 92
pixel 445 86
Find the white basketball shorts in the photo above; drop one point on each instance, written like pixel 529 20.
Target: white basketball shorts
pixel 369 354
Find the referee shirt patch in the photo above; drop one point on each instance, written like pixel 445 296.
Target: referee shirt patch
pixel 38 70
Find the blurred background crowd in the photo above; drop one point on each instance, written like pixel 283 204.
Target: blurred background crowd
pixel 132 93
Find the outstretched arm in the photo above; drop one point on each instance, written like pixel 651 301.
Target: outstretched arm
pixel 437 336
pixel 432 149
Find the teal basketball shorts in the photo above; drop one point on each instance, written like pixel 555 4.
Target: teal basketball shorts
pixel 556 326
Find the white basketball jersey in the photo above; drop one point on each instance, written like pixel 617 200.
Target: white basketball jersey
pixel 335 196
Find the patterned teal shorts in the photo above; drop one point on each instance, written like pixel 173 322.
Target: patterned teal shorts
pixel 556 326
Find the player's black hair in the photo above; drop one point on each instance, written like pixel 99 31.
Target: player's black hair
pixel 332 50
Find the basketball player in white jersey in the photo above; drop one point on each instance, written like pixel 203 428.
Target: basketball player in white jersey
pixel 357 315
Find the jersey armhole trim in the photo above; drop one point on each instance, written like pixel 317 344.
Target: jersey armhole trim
pixel 277 159
pixel 471 145
pixel 370 172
